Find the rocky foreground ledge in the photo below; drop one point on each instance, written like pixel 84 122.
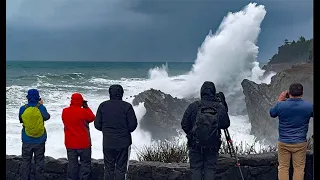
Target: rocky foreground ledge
pixel 260 167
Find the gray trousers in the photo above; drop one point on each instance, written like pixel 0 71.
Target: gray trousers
pixel 116 163
pixel 74 172
pixel 28 150
pixel 203 164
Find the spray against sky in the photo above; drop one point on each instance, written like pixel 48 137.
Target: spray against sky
pixel 225 58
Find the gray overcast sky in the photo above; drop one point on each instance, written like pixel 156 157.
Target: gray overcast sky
pixel 138 30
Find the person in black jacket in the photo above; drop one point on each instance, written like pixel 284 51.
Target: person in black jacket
pixel 117 120
pixel 203 159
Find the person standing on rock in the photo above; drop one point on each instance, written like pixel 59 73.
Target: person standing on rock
pixel 294 114
pixel 76 119
pixel 202 122
pixel 117 120
pixel 34 135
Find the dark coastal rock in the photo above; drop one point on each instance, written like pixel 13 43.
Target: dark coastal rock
pixel 163 113
pixel 254 167
pixel 260 98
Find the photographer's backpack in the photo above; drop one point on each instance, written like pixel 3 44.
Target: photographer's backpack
pixel 205 129
pixel 33 121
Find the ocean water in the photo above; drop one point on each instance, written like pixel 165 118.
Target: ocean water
pixel 226 58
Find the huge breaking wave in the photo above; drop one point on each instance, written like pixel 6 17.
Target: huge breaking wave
pixel 226 58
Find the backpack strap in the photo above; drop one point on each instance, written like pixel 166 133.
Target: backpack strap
pixel 38 105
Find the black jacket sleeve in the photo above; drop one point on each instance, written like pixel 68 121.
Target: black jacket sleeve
pixel 186 123
pixel 224 121
pixel 132 119
pixel 223 100
pixel 98 120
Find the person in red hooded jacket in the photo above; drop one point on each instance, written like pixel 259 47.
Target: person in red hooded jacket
pixel 76 119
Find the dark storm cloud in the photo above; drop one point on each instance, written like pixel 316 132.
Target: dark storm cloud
pixel 71 14
pixel 138 30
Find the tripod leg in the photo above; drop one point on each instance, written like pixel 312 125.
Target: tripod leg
pixel 232 150
pixel 230 145
pixel 228 141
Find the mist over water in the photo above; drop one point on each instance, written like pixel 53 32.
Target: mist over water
pixel 226 58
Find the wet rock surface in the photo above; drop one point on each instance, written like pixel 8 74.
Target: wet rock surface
pixel 163 113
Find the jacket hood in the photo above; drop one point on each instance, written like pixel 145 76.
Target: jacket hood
pixel 208 91
pixel 76 99
pixel 116 92
pixel 33 96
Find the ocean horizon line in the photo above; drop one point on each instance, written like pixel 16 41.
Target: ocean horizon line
pixel 102 61
pixel 43 61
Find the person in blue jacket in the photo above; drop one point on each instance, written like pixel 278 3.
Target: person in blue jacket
pixel 294 115
pixel 34 135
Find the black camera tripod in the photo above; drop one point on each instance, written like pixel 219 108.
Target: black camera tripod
pixel 232 152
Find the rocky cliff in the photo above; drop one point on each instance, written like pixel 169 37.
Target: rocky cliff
pixel 163 113
pixel 260 98
pixel 254 167
pixel 277 67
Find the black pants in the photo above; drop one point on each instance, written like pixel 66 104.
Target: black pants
pixel 73 164
pixel 203 164
pixel 116 163
pixel 27 153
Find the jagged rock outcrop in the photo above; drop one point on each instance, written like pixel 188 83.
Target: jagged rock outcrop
pixel 163 113
pixel 254 167
pixel 260 98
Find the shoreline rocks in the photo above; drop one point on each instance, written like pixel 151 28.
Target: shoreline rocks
pixel 163 113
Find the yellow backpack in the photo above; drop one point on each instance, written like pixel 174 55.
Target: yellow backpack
pixel 33 121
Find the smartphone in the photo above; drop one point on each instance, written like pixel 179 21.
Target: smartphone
pixel 287 95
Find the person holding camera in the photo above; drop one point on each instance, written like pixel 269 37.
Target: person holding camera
pixel 34 135
pixel 76 119
pixel 294 114
pixel 202 122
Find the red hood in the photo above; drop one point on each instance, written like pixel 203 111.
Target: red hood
pixel 76 99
